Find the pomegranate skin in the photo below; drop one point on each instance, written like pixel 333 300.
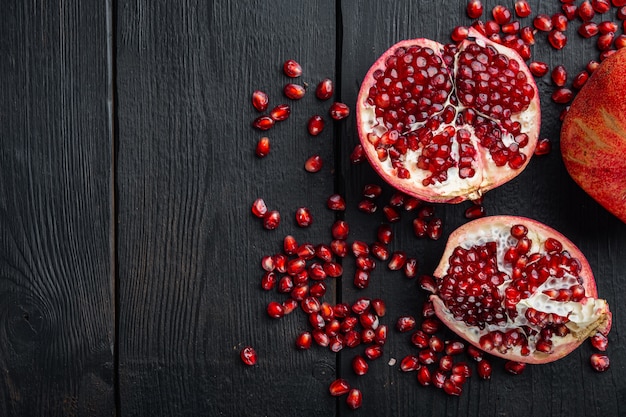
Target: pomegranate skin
pixel 599 317
pixel 593 136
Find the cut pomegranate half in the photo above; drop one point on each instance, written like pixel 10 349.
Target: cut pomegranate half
pixel 518 289
pixel 446 123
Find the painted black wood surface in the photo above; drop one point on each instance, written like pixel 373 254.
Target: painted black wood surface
pixel 129 260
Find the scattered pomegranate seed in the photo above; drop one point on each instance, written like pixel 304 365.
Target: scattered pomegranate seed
pixel 459 33
pixel 522 8
pixel 588 29
pixel 599 362
pixel 559 22
pixel 570 10
pixel 557 39
pixel 340 230
pixel 271 220
pixel 580 79
pixel 294 91
pixel 607 27
pixel 260 100
pixel 275 310
pixel 544 147
pixel 514 367
pixel 315 125
pixel 621 13
pixel 475 211
pixel 339 111
pixel 263 147
pixel 592 66
pixel 359 365
pixel 601 6
pixel 559 75
pixel 357 155
pixel 474 9
pixel 263 123
pixel 620 41
pixel 304 340
pixel 501 14
pixel 543 22
pixel 483 369
pixel 325 89
pixel 562 95
pixel 410 363
pixel 339 387
pixel 248 355
pixel 292 69
pixel 259 208
pixel 599 342
pixel 605 41
pixel 336 202
pixel 405 324
pixel 313 164
pixel 354 399
pixel 585 11
pixel 538 68
pixel 280 112
pixel 527 34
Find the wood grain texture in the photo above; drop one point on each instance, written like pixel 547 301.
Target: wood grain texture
pixel 190 248
pixel 56 287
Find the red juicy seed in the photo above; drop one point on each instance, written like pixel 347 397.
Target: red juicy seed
pixel 294 91
pixel 570 10
pixel 361 279
pixel 483 369
pixel 360 248
pixel 304 340
pixel 607 27
pixel 544 147
pixel 618 3
pixel 367 206
pixel 562 95
pixel 427 357
pixel 501 14
pixel 474 9
pixel 557 39
pixel 410 363
pixel 325 89
pixel 263 123
pixel 295 266
pixel 552 245
pixel 604 42
pixel 621 13
pixel 511 27
pixel 391 214
pixel 357 155
pixel 459 33
pixel 339 247
pixel 372 191
pixel 290 305
pixel 333 269
pixel 585 11
pixel 492 28
pixel 306 250
pixel 599 341
pixel 260 100
pixel 424 376
pixel 559 22
pixel 292 69
pixel 321 338
pixel 538 68
pixel 290 245
pixel 361 305
pixel 543 22
pixel 336 202
pixel 405 324
pixel 315 125
pixel 427 283
pixel 522 8
pixel 601 6
pixel 397 261
pixel 354 399
pixel 434 228
pixel 475 353
pixel 527 34
pixel 313 164
pixel 359 365
pixel 280 112
pixel 514 367
pixel 559 75
pixel 317 289
pixel 420 339
pixel 385 233
pixel 620 41
pixel 599 362
pixel 580 79
pixel 373 352
pixel 379 307
pixel 339 387
pixel 268 264
pixel 340 230
pixel 451 388
pixel 303 217
pixel 259 208
pixel 475 211
pixel 588 29
pixel 248 355
pixel 271 220
pixel 339 111
pixel 410 268
pixel 275 310
pixel 454 347
pixel 263 147
pixel 269 280
pixel 380 251
pixel 436 344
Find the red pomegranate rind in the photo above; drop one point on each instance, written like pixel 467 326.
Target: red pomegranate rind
pixel 446 123
pixel 513 308
pixel 593 136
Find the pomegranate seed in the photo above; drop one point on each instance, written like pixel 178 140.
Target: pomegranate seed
pixel 268 264
pixel 367 206
pixel 290 245
pixel 580 79
pixel 333 269
pixel 511 27
pixel 339 111
pixel 359 365
pixel 263 147
pixel 280 112
pixel 618 3
pixel 325 89
pixel 620 41
pixel 259 209
pixel 354 399
pixel 431 325
pixel 372 191
pixel 543 147
pixel 269 280
pixel 427 357
pixel 428 283
pixel 339 247
pixel 475 211
pixel 585 11
pixel 340 230
pixel 271 220
pixel 397 261
pixel 501 14
pixel 454 347
pixel 601 6
pixel 562 95
pixel 474 9
pixel 474 353
pixel 527 34
pixel 410 363
pixel 321 338
pixel 405 324
pixel 317 289
pixel 557 39
pixel 543 22
pixel 339 387
pixel 607 27
pixel 424 376
pixel 260 100
pixel 373 352
pixel 248 355
pixel 436 344
pixel 313 164
pixel 459 33
pixel 357 155
pixel 621 13
pixel 290 305
pixel 514 367
pixel 522 8
pixel 605 41
pixel 434 228
pixel 379 307
pixel 336 202
pixel 538 68
pixel 599 362
pixel 599 341
pixel 588 29
pixel 303 217
pixel 304 340
pixel 559 75
pixel 263 123
pixel 369 320
pixel 492 28
pixel 410 268
pixel 559 22
pixel 451 388
pixel 315 125
pixel 292 69
pixel 483 369
pixel 294 91
pixel 275 310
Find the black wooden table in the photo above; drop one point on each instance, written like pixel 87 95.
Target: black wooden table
pixel 130 261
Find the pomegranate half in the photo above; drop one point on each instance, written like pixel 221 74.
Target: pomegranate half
pixel 446 123
pixel 593 135
pixel 518 289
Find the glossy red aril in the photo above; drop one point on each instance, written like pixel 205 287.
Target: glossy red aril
pixel 442 123
pixel 354 399
pixel 557 39
pixel 248 356
pixel 260 100
pixel 271 220
pixel 313 163
pixel 292 68
pixel 588 29
pixel 585 11
pixel 263 122
pixel 501 14
pixel 522 8
pixel 325 89
pixel 280 112
pixel 263 147
pixel 339 111
pixel 538 68
pixel 259 208
pixel 339 387
pixel 474 9
pixel 315 125
pixel 599 362
pixel 501 285
pixel 559 75
pixel 294 91
pixel 543 22
pixel 304 218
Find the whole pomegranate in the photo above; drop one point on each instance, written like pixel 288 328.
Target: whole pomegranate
pixel 446 123
pixel 518 289
pixel 593 135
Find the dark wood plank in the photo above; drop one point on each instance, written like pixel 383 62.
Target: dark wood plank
pixel 56 277
pixel 189 246
pixel 544 191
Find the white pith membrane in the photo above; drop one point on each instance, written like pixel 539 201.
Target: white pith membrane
pixel 584 317
pixel 454 188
